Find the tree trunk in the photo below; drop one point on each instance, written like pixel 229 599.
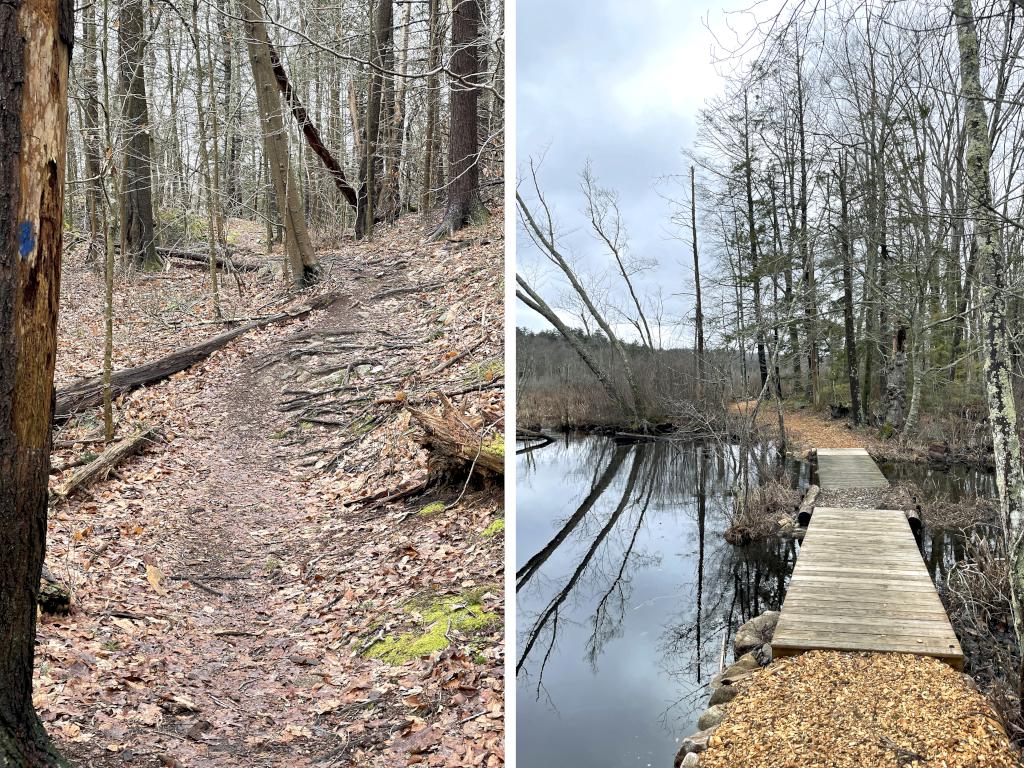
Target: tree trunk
pixel 299 250
pixel 755 275
pixel 431 141
pixel 699 312
pixel 993 294
pixel 310 131
pixel 138 241
pixel 852 369
pixel 35 50
pixel 371 166
pixel 91 128
pixel 464 205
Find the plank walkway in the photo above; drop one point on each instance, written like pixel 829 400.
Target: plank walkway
pixel 860 585
pixel 848 468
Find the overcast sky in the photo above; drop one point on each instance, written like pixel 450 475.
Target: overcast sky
pixel 620 83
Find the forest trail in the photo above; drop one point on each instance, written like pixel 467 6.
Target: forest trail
pixel 807 428
pixel 229 596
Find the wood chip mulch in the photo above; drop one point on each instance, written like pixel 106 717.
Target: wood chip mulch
pixel 845 710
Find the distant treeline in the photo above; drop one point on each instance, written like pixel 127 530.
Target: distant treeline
pixel 556 390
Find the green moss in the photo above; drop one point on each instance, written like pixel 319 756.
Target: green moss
pixel 279 435
pixel 498 526
pixel 436 620
pixel 495 446
pixel 433 508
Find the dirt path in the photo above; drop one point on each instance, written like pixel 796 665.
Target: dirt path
pixel 226 599
pixel 808 429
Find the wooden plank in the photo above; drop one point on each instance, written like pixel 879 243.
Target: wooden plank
pixel 848 468
pixel 860 585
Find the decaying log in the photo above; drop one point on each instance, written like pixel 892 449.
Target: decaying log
pixel 806 508
pixel 204 259
pixel 105 462
pixel 451 439
pixel 54 597
pixel 89 392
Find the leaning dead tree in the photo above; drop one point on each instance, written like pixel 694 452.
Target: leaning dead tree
pixel 35 49
pixel 301 260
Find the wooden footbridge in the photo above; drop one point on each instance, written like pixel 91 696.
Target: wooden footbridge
pixel 859 583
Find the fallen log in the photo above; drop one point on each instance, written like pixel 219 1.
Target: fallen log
pixel 806 508
pixel 198 257
pixel 89 392
pixel 105 462
pixel 454 444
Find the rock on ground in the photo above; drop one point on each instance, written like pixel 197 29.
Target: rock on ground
pixel 757 631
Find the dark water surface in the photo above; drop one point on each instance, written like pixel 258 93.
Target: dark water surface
pixel 628 593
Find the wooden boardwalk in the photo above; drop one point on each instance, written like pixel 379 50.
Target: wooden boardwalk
pixel 860 585
pixel 848 468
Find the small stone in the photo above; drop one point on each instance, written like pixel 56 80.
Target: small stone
pixel 742 667
pixel 723 694
pixel 712 717
pixel 757 631
pixel 694 744
pixel 692 760
pixel 763 654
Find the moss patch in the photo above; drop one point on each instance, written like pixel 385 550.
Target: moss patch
pixel 435 621
pixel 498 526
pixel 495 446
pixel 433 508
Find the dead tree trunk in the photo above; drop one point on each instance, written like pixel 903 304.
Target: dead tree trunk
pixel 464 205
pixel 35 49
pixel 456 446
pixel 138 239
pixel 105 462
pixel 310 131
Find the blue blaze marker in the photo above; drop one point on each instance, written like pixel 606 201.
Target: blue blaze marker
pixel 26 239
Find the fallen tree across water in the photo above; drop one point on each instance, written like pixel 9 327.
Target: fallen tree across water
pixel 89 393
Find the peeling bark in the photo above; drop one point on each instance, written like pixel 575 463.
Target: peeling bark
pixel 35 49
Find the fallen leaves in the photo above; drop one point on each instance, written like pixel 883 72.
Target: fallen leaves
pixel 848 710
pixel 250 655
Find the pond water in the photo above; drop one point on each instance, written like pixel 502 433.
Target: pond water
pixel 628 594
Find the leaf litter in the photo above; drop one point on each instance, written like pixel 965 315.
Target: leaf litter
pixel 238 585
pixel 849 710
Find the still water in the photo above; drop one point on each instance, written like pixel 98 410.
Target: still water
pixel 628 595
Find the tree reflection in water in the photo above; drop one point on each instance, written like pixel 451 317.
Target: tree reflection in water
pixel 666 477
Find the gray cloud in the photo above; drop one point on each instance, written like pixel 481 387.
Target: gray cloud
pixel 619 84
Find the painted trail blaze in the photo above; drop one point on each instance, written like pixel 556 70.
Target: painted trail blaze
pixel 26 239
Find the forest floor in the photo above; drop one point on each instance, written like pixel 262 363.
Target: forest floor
pixel 807 429
pixel 245 591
